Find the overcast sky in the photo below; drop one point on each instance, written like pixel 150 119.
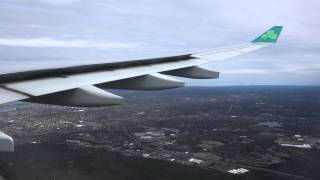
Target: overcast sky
pixel 52 33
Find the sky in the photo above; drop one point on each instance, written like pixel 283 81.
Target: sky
pixel 37 34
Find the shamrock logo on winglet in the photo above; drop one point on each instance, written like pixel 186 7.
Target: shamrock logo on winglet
pixel 269 35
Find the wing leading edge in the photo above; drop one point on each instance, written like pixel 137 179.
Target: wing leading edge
pixel 80 85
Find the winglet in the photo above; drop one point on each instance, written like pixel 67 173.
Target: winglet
pixel 270 36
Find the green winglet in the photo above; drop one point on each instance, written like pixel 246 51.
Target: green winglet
pixel 270 36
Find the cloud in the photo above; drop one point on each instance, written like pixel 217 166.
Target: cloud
pixel 49 42
pixel 247 71
pixel 59 2
pixel 32 25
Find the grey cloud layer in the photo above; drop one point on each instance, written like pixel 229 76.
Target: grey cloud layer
pixel 69 30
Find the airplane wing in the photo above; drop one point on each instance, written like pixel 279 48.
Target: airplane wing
pixel 82 85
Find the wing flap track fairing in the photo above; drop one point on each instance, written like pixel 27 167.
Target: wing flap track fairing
pixel 194 72
pixel 154 81
pixel 88 96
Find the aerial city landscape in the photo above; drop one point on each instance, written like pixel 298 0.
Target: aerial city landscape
pixel 248 132
pixel 159 90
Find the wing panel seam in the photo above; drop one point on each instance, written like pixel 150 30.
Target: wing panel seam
pixel 14 90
